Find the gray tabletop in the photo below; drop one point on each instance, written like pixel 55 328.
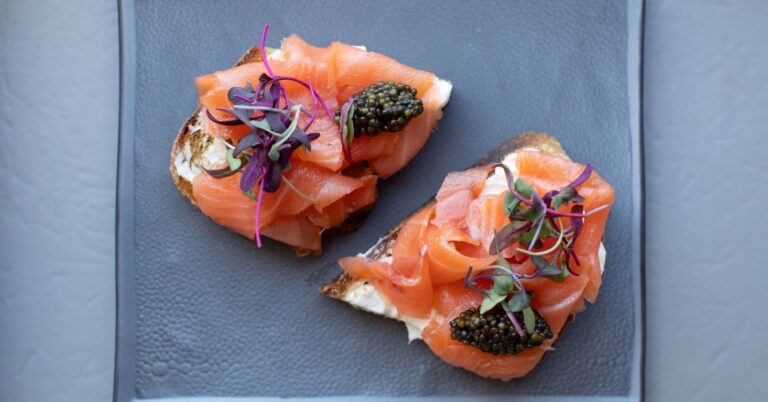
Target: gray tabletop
pixel 705 97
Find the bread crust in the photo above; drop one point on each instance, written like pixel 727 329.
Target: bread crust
pixel 198 142
pixel 338 286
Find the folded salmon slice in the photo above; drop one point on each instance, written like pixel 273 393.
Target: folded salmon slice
pixel 339 195
pixel 462 222
pixel 336 72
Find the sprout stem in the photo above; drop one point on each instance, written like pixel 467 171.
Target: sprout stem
pixel 545 252
pixel 257 233
pixel 262 47
pixel 297 191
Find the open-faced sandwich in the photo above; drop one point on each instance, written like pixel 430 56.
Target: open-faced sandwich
pixel 290 142
pixel 490 270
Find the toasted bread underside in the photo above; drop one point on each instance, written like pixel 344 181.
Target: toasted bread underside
pixel 192 139
pixel 338 287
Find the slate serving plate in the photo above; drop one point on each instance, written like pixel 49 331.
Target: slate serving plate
pixel 203 313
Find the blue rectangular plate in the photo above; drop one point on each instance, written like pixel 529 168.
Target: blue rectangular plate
pixel 202 312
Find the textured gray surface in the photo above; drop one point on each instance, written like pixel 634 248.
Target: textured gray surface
pixel 706 137
pixel 216 316
pixel 703 59
pixel 58 122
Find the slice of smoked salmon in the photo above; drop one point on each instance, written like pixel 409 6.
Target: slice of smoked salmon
pixel 337 211
pixel 297 231
pixel 221 200
pixel 456 193
pixel 405 282
pixel 224 202
pixel 471 179
pixel 485 217
pixel 447 262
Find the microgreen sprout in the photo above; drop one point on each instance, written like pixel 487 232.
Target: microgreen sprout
pixel 263 155
pixel 532 219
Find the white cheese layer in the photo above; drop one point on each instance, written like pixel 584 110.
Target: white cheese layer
pixel 364 295
pixel 213 156
pixel 496 183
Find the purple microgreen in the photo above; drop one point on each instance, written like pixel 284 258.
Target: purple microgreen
pixel 469 283
pixel 251 173
pixel 529 319
pixel 551 212
pixel 524 207
pixel 349 125
pixel 582 177
pixel 507 290
pixel 569 193
pixel 544 268
pixel 273 119
pixel 234 163
pixel 345 133
pixel 235 122
pixel 257 230
pixel 251 140
pixel 490 301
pixel 263 49
pixel 242 115
pixel 523 188
pixel 564 196
pixel 314 105
pixel 535 236
pixel 503 284
pixel 553 248
pixel 510 203
pixel 262 108
pixel 300 82
pixel 512 318
pixel 537 214
pixel 518 302
pixel 273 173
pixel 503 262
pixel 576 225
pixel 596 210
pixel 274 151
pixel 264 125
pixel 241 95
pixel 508 235
pixel 511 184
pixel 222 173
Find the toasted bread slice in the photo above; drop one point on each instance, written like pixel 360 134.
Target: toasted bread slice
pixel 194 150
pixel 363 295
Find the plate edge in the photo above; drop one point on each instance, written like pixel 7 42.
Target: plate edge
pixel 635 26
pixel 124 366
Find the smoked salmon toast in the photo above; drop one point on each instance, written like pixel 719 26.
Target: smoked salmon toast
pixel 489 271
pixel 289 143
